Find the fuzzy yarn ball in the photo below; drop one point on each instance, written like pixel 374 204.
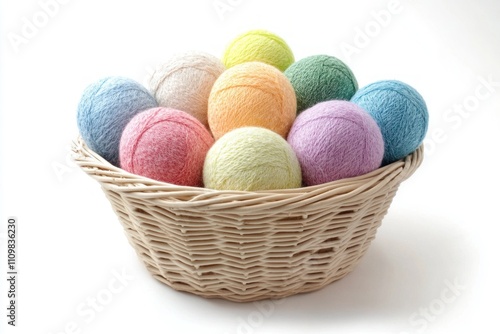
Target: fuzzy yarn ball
pixel 184 82
pixel 167 145
pixel 321 78
pixel 251 94
pixel 251 158
pixel 335 140
pixel 401 113
pixel 104 110
pixel 259 45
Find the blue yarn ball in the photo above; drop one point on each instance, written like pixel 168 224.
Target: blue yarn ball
pixel 105 108
pixel 400 112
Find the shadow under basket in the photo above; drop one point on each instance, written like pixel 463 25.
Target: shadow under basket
pixel 245 246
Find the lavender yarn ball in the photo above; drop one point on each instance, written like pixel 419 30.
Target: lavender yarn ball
pixel 335 140
pixel 105 108
pixel 401 113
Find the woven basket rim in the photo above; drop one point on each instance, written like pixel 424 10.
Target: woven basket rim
pixel 97 167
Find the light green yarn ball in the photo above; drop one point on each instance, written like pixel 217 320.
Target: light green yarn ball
pixel 259 45
pixel 251 158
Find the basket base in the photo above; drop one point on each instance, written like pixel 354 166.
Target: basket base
pixel 239 298
pixel 254 291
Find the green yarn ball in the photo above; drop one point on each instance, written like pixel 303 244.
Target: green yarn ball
pixel 259 45
pixel 321 78
pixel 251 158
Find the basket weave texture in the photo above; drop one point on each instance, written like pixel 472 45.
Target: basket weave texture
pixel 246 246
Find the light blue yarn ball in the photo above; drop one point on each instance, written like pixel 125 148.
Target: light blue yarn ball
pixel 400 112
pixel 105 108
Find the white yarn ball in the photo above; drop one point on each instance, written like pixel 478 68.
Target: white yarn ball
pixel 184 82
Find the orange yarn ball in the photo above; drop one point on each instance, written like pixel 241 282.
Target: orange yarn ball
pixel 252 94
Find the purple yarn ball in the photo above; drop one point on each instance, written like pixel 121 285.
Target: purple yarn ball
pixel 335 140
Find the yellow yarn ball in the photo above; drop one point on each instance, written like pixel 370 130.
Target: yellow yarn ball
pixel 251 158
pixel 259 45
pixel 251 94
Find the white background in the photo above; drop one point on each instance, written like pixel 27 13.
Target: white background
pixel 442 227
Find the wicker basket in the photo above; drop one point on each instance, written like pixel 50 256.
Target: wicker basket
pixel 245 246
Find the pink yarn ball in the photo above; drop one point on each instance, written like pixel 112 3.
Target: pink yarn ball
pixel 335 140
pixel 167 145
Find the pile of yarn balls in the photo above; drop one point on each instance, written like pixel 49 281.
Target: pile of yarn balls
pixel 254 120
